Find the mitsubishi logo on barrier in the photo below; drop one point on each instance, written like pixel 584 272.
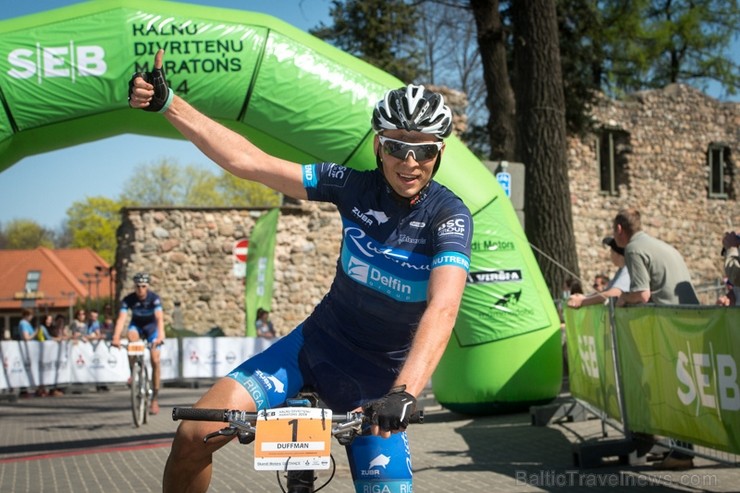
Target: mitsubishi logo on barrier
pixel 45 62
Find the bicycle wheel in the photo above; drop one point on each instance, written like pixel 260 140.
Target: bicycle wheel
pixel 138 398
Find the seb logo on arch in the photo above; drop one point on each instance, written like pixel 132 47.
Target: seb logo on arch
pixel 70 61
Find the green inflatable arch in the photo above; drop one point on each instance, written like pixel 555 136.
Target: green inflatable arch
pixel 63 83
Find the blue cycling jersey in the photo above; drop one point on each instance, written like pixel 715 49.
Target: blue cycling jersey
pixel 389 248
pixel 142 311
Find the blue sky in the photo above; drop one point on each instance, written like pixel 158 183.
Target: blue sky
pixel 44 186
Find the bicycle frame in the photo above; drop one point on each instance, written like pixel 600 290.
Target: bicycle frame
pixel 140 383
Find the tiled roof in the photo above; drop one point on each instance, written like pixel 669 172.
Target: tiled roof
pixel 63 276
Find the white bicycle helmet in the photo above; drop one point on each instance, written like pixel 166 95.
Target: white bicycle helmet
pixel 413 108
pixel 141 278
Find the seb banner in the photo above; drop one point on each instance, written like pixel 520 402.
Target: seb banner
pixel 680 371
pixel 260 264
pixel 592 376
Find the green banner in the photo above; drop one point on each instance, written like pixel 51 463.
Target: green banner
pixel 591 372
pixel 505 295
pixel 679 366
pixel 260 265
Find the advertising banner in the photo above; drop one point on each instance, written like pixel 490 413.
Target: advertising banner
pixel 260 264
pixel 214 357
pixel 680 371
pixel 591 372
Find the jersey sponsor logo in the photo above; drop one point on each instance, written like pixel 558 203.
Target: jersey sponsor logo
pixel 410 239
pixel 451 259
pixel 337 172
pixel 270 382
pixel 373 470
pixel 369 250
pixel 366 274
pixel 417 224
pixel 69 61
pixel 254 390
pixel 358 270
pixel 494 276
pixel 455 227
pixel 368 216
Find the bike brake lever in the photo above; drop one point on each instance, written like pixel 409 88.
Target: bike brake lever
pixel 246 437
pixel 230 431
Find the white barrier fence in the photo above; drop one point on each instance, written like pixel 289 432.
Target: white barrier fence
pixel 50 363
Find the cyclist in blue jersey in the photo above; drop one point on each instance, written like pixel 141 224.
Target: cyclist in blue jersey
pixel 147 323
pixel 375 339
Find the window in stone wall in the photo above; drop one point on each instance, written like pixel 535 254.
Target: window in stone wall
pixel 613 148
pixel 721 170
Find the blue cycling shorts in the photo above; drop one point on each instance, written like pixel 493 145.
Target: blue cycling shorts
pixel 279 372
pixel 148 332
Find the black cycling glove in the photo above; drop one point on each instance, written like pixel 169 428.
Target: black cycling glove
pixel 162 93
pixel 392 411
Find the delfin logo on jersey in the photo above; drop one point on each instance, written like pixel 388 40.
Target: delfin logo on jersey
pixel 358 270
pixel 46 62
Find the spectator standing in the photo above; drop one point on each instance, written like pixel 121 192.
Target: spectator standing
pixel 730 244
pixel 25 327
pixel 93 326
pixel 78 326
pixel 264 325
pixel 601 281
pixel 45 328
pixel 658 274
pixel 59 330
pixel 619 284
pixel 106 328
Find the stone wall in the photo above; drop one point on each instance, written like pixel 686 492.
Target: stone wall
pixel 189 253
pixel 666 178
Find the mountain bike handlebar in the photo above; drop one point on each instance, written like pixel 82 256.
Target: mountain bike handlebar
pixel 228 416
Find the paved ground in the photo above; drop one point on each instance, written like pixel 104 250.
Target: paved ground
pixel 86 443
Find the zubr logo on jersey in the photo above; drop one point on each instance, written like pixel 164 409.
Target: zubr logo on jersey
pixel 68 61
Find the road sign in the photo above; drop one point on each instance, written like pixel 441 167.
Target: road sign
pixel 240 250
pixel 504 179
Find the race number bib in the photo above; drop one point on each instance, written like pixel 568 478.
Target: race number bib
pixel 293 438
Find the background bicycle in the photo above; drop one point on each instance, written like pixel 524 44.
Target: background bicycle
pixel 141 385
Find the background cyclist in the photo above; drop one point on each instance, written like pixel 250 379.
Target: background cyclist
pixel 147 323
pixel 377 336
